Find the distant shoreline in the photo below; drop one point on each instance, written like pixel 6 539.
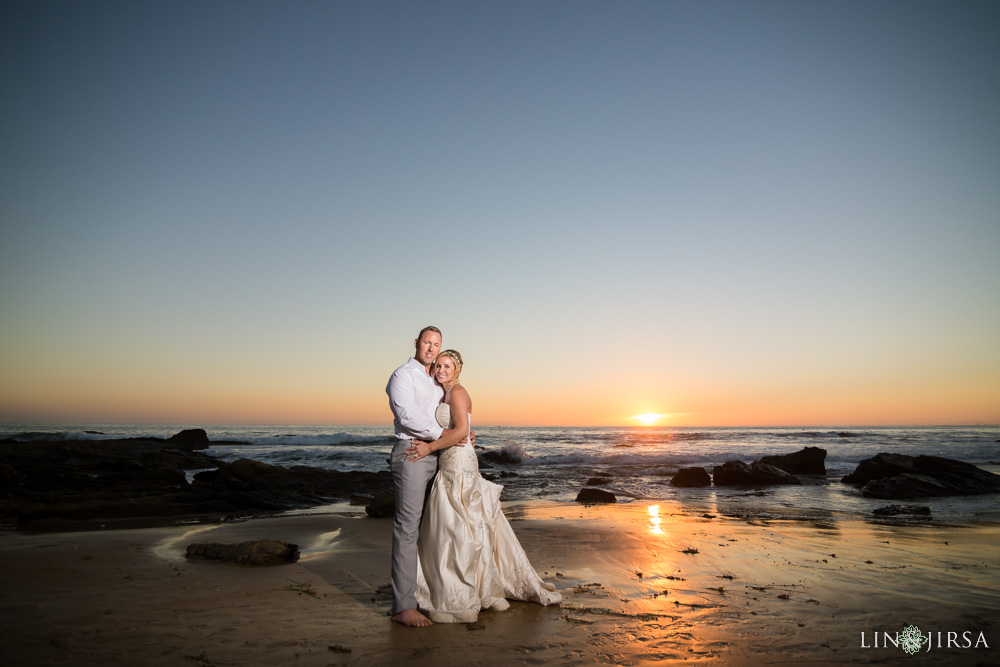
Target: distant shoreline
pixel 177 426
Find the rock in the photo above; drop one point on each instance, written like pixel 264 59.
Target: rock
pixel 894 510
pixel 162 476
pixel 275 487
pixel 383 506
pixel 595 496
pixel 145 478
pixel 192 438
pixel 9 475
pixel 879 466
pixel 502 456
pixel 807 461
pixel 598 481
pixel 737 473
pixel 253 553
pixel 690 477
pixel 959 475
pixel 899 477
pixel 903 486
pixel 249 470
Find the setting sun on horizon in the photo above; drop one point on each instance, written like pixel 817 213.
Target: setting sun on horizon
pixel 649 418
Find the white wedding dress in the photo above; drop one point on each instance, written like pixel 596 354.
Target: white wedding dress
pixel 469 558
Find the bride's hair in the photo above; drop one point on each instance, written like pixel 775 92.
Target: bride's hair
pixel 455 356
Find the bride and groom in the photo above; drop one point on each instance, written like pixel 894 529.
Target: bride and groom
pixel 464 556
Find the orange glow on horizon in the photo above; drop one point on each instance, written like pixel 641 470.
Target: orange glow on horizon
pixel 145 394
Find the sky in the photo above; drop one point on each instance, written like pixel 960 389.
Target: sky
pixel 725 213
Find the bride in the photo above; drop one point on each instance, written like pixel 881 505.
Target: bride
pixel 469 558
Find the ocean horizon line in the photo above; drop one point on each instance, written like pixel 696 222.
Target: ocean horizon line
pixel 193 424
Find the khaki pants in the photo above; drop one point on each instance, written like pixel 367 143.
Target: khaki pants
pixel 412 481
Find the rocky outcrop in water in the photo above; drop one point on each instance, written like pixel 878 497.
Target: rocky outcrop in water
pixel 738 473
pixel 778 469
pixel 900 477
pixel 808 461
pixel 191 439
pixel 247 484
pixel 505 456
pixel 691 477
pixel 146 478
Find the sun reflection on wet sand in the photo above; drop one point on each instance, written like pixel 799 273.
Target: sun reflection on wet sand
pixel 664 582
pixel 654 520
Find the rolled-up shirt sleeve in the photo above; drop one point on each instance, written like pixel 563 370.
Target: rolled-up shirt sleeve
pixel 413 406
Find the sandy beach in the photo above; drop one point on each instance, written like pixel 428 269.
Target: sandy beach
pixel 642 584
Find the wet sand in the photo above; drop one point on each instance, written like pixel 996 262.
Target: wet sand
pixel 674 584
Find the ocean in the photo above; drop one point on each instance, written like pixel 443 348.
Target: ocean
pixel 554 463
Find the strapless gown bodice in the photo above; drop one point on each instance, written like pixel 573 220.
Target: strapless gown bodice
pixel 455 459
pixel 469 558
pixel 443 416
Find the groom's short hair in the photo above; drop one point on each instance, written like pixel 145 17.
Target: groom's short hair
pixel 426 329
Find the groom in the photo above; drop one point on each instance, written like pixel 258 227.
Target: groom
pixel 413 397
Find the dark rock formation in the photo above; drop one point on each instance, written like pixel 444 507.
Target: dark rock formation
pixel 689 477
pixel 247 484
pixel 904 486
pixel 145 478
pixel 808 461
pixel 899 477
pixel 737 473
pixel 879 466
pixel 9 476
pixel 194 438
pixel 254 553
pixel 382 506
pixel 598 481
pixel 590 496
pixel 895 510
pixel 501 456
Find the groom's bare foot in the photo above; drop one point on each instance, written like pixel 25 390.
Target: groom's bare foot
pixel 412 618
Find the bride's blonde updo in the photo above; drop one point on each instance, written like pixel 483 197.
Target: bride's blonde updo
pixel 455 357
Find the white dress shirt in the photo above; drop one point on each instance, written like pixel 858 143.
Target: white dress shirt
pixel 413 398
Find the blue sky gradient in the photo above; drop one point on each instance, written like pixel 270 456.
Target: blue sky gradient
pixel 729 212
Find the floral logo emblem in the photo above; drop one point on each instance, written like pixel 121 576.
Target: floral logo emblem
pixel 911 639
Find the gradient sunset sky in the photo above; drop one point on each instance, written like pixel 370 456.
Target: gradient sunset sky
pixel 729 213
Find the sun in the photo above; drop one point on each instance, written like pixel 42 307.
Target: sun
pixel 648 418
